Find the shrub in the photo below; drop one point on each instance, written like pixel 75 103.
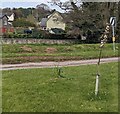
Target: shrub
pixel 22 23
pixel 8 35
pixel 40 34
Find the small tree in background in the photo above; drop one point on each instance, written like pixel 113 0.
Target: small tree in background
pixel 22 23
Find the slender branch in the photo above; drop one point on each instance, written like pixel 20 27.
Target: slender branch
pixel 69 5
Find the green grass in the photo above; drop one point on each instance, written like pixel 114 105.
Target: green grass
pixel 40 90
pixel 19 53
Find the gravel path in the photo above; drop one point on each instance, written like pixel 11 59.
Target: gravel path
pixel 54 64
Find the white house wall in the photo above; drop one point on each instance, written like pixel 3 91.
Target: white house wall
pixel 11 18
pixel 55 24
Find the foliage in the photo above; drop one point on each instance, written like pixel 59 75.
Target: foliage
pixel 38 12
pixel 41 11
pixel 6 11
pixel 40 90
pixel 38 33
pixel 91 16
pixel 118 25
pixel 18 13
pixel 31 19
pixel 35 33
pixel 43 6
pixel 22 23
pixel 26 11
pixel 16 35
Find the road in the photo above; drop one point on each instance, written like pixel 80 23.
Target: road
pixel 55 64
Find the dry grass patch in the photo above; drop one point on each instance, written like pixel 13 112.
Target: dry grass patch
pixel 26 49
pixel 50 50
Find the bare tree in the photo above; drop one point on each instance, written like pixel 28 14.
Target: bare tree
pixel 43 6
pixel 67 5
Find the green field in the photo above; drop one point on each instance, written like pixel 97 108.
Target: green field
pixel 41 90
pixel 19 53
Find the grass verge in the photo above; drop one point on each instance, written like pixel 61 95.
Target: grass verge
pixel 40 90
pixel 19 53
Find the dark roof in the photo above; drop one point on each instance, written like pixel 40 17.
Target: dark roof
pixel 43 22
pixel 1 16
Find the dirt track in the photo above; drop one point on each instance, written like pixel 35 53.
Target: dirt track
pixel 54 64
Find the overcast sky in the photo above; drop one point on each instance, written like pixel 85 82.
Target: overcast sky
pixel 26 4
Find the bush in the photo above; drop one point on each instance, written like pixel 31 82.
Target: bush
pixel 93 36
pixel 8 35
pixel 40 34
pixel 23 23
pixel 36 33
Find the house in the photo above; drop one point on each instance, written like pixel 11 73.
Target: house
pixel 11 19
pixel 53 21
pixel 4 20
pixel 4 24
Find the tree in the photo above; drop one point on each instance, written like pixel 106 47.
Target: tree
pixel 26 11
pixel 89 16
pixel 31 19
pixel 41 11
pixel 21 22
pixel 118 26
pixel 43 6
pixel 18 13
pixel 7 11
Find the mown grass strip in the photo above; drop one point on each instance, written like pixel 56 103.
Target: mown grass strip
pixel 13 53
pixel 41 90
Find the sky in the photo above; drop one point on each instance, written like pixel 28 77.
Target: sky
pixel 26 4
